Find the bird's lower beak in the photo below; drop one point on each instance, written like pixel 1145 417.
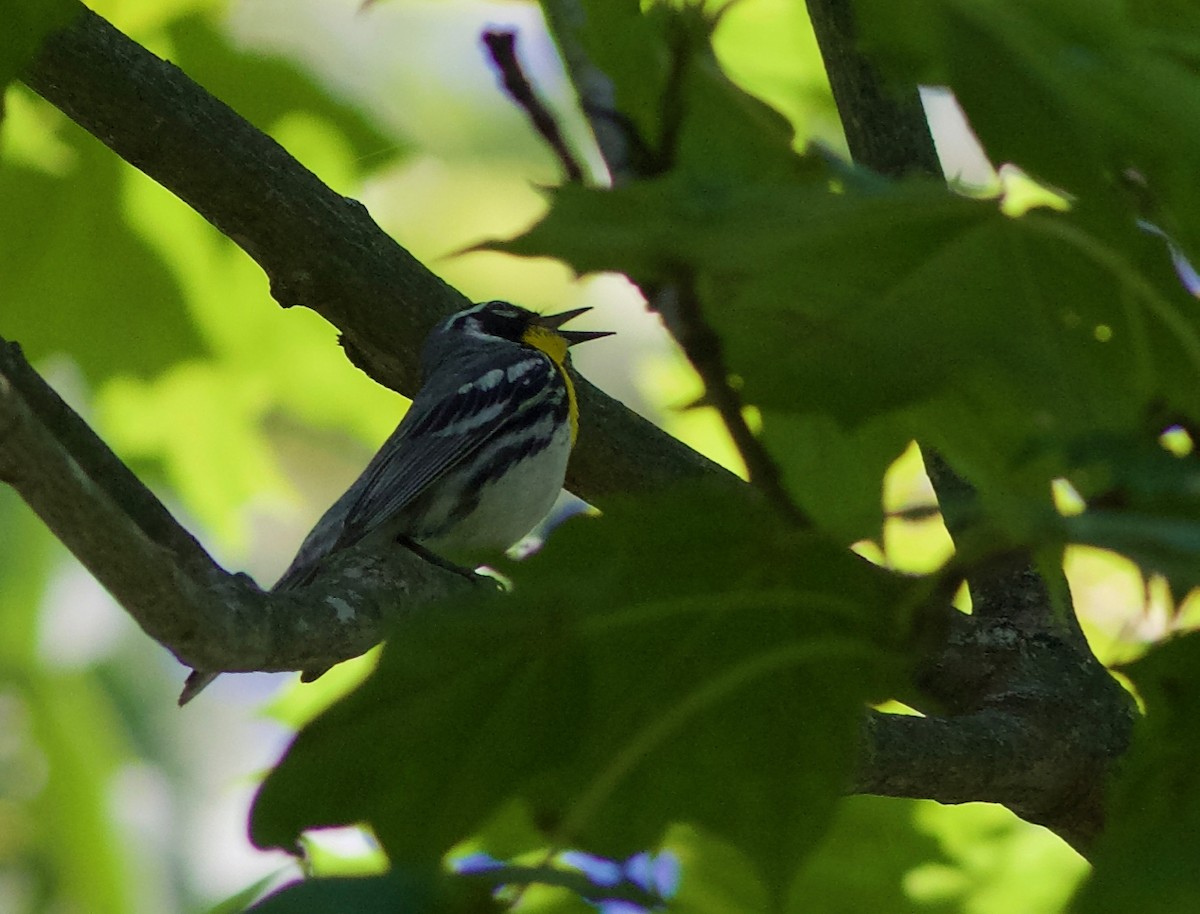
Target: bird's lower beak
pixel 555 321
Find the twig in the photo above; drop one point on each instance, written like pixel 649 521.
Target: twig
pixel 596 93
pixel 502 46
pixel 702 346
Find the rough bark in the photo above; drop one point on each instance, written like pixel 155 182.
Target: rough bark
pixel 154 568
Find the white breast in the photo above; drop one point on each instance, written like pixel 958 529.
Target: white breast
pixel 508 508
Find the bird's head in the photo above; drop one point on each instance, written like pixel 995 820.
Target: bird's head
pixel 496 321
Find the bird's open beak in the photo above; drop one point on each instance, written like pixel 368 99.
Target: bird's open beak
pixel 555 321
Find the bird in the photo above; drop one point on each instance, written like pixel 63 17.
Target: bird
pixel 479 458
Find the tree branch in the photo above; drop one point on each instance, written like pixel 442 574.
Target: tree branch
pixel 318 248
pixel 595 91
pixel 207 617
pixel 1032 721
pixel 885 127
pixel 1036 722
pixel 502 48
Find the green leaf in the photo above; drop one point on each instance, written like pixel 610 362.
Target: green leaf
pixel 1144 859
pixel 800 281
pixel 1088 91
pixel 873 844
pixel 508 834
pixel 887 854
pixel 836 474
pixel 717 877
pixel 392 893
pixel 681 659
pixel 1171 27
pixel 987 860
pixel 649 228
pixel 77 279
pixel 867 305
pixel 687 114
pixel 1148 506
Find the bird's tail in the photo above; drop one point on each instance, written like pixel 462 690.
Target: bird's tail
pixel 197 681
pixel 299 574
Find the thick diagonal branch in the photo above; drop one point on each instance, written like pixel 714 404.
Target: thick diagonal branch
pixel 318 248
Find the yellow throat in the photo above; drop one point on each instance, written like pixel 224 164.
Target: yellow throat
pixel 555 346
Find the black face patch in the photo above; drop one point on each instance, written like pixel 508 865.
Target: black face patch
pixel 501 319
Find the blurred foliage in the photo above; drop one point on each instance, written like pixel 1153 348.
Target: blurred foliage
pixel 768 48
pixel 973 858
pixel 50 309
pixel 1141 858
pixel 185 366
pixel 695 690
pixel 57 841
pixel 385 894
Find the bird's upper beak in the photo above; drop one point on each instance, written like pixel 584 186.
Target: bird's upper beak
pixel 555 321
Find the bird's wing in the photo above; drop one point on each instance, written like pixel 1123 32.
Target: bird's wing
pixel 444 425
pixel 441 434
